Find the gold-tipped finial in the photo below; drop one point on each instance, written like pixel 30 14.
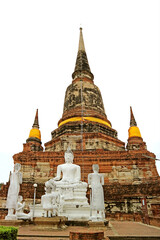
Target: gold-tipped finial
pixel 81 41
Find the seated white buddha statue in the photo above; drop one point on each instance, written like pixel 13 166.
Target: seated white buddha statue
pixel 68 173
pixel 71 190
pixel 50 200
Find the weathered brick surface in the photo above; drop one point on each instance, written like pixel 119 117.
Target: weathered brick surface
pixel 92 99
pixel 86 236
pixel 4 190
pixel 117 191
pixel 123 189
pixel 83 99
pixel 41 166
pixel 136 217
pixel 155 221
pixel 3 213
pixel 155 208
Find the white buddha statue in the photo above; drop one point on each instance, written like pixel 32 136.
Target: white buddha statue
pixel 73 202
pixel 96 181
pixel 68 173
pixel 50 200
pixel 19 210
pixel 13 191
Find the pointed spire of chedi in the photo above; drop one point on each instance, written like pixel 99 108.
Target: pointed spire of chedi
pixel 82 68
pixel 132 119
pixel 36 122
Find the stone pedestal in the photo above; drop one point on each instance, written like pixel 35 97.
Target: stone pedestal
pixel 38 211
pixel 98 224
pixel 41 223
pixel 76 212
pixel 73 212
pixel 11 217
pixel 73 201
pixel 50 223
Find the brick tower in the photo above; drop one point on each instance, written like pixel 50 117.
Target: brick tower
pixel 84 124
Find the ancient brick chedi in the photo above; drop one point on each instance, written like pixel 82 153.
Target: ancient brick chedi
pixel 84 124
pixel 132 184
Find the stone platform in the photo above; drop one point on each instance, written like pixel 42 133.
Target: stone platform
pixel 50 223
pixel 98 224
pixel 117 230
pixel 38 223
pixel 44 223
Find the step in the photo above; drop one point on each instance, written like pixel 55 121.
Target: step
pixel 134 238
pixel 41 237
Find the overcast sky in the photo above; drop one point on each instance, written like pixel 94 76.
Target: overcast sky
pixel 38 48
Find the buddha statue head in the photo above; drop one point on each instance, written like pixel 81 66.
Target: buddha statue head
pixel 49 187
pixel 68 156
pixel 17 167
pixel 95 167
pixel 20 198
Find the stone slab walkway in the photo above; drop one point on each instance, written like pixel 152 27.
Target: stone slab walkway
pixel 116 228
pixel 128 228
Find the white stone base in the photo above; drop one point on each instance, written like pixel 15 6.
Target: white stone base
pixel 11 217
pixel 72 212
pixel 38 211
pixel 76 212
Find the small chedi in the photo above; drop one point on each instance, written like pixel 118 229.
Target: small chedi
pixel 131 181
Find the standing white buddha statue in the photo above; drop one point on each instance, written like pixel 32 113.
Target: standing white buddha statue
pixel 96 181
pixel 13 192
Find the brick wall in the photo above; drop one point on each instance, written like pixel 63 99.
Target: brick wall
pixel 86 236
pixel 3 213
pixel 155 221
pixel 117 191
